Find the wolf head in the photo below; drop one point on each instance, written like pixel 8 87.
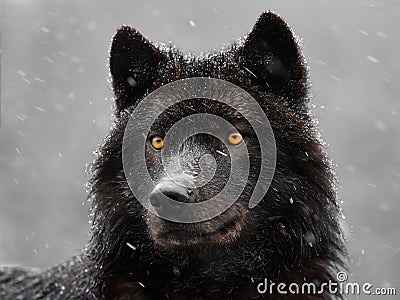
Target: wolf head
pixel 294 225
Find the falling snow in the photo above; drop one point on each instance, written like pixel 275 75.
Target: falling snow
pixel 45 29
pixel 372 59
pixel 132 82
pixel 39 80
pixel 40 108
pixel 131 246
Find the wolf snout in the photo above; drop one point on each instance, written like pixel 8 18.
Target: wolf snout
pixel 164 194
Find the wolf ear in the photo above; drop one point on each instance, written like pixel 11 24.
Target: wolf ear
pixel 133 65
pixel 271 56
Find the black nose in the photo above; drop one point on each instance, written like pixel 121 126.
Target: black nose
pixel 163 195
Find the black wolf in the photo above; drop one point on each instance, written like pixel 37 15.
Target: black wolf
pixel 291 236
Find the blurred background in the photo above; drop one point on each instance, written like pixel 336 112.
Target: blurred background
pixel 56 104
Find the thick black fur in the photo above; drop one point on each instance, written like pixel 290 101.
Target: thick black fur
pixel 291 236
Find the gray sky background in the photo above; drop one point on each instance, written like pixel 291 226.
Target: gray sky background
pixel 56 106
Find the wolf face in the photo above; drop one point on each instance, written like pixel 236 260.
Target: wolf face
pixel 292 234
pixel 223 228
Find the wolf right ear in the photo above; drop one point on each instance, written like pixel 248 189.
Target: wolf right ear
pixel 133 65
pixel 272 58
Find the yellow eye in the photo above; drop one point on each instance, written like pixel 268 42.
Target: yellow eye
pixel 157 142
pixel 235 138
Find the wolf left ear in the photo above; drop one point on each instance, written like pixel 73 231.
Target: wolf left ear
pixel 273 58
pixel 133 65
